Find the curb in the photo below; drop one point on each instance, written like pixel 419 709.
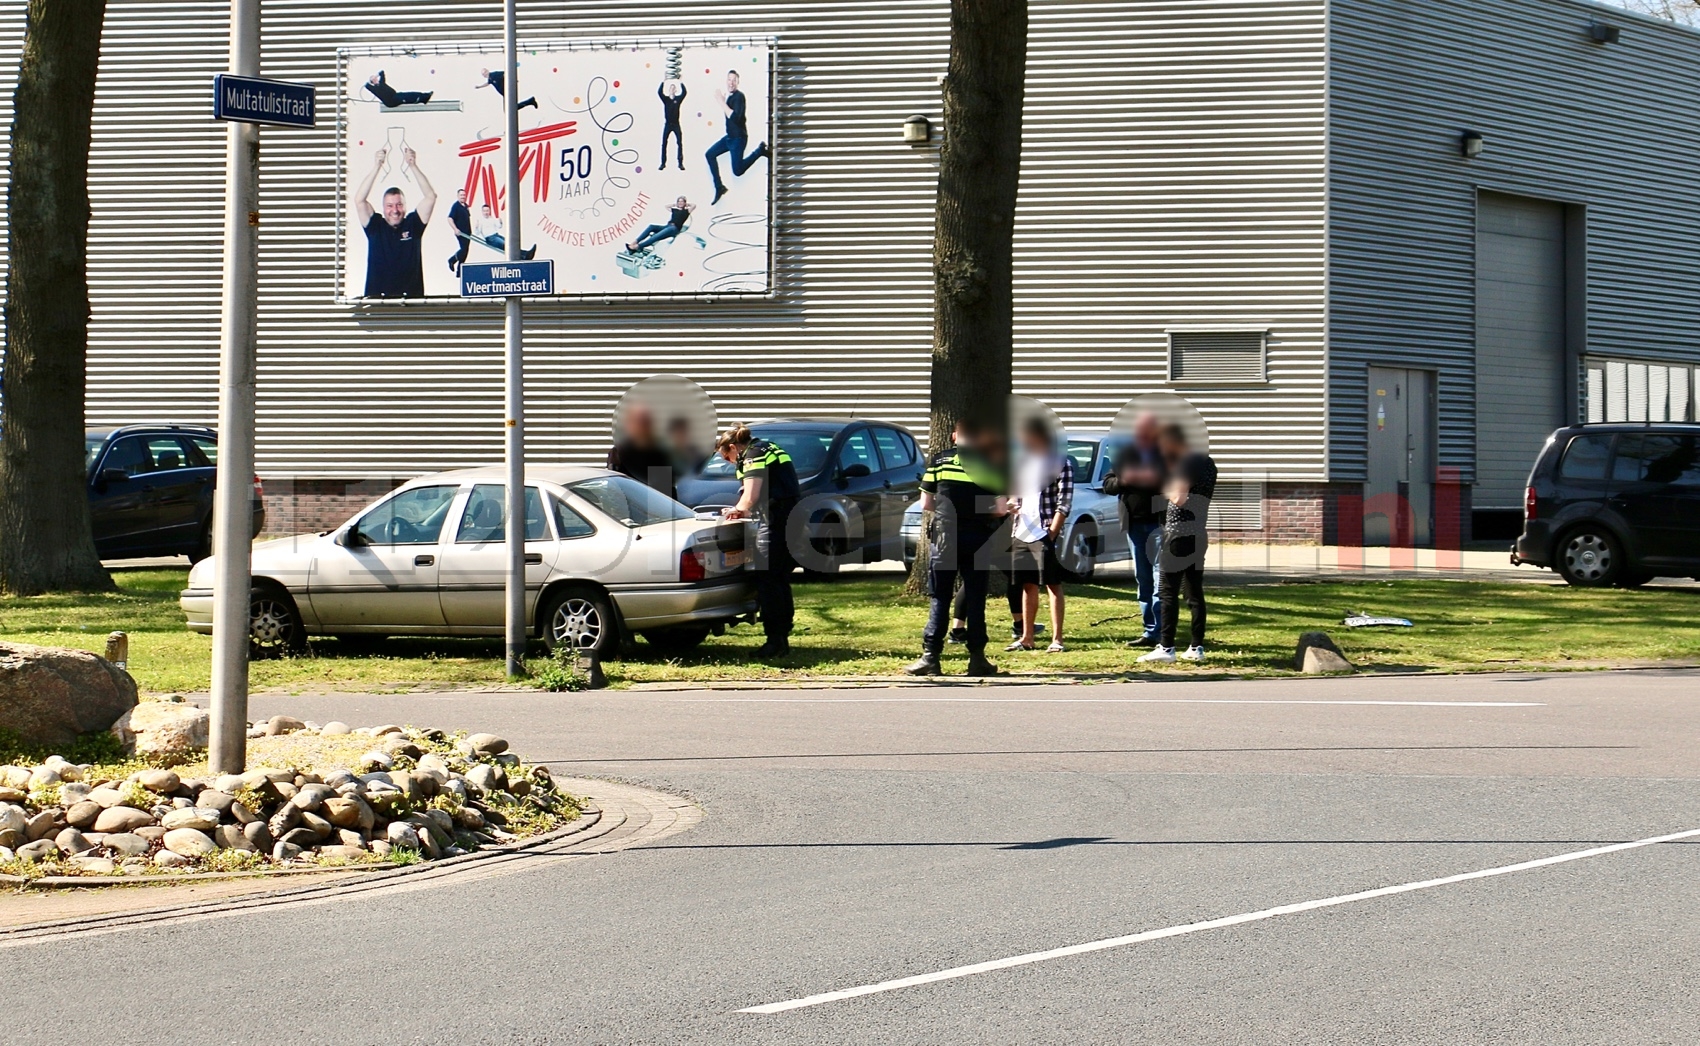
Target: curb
pixel 589 815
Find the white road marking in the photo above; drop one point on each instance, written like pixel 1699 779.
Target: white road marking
pixel 1085 701
pixel 1209 924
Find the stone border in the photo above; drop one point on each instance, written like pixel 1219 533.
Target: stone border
pixel 589 815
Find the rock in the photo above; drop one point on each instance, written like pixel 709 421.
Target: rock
pixel 83 814
pixel 287 817
pixel 402 834
pixel 376 761
pixel 213 799
pixel 240 813
pixel 285 789
pixel 40 850
pixel 94 865
pixel 12 795
pixel 304 838
pixel 41 825
pixel 159 782
pixel 153 833
pixel 317 825
pixel 71 794
pixel 344 813
pixel 50 696
pixel 469 817
pixel 230 784
pixel 456 787
pixel 485 778
pixel 337 778
pixel 519 786
pixel 68 772
pixel 42 776
pixel 335 727
pixel 258 834
pixel 106 798
pixel 342 853
pixel 126 843
pixel 312 796
pixel 507 760
pixel 189 842
pixel 230 837
pixel 434 764
pixel 196 818
pixel 163 730
pixel 278 725
pixel 170 859
pixel 443 820
pixel 71 841
pixel 6 853
pixel 349 837
pixel 484 745
pixel 381 847
pixel 122 819
pixel 283 852
pixel 387 728
pixel 14 776
pixel 1318 655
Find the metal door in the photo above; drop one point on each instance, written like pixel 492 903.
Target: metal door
pixel 1399 494
pixel 388 578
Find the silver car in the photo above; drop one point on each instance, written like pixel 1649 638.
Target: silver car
pixel 606 558
pixel 1094 532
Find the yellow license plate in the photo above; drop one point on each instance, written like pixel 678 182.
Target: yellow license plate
pixel 734 559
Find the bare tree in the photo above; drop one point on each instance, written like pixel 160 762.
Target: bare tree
pixel 973 235
pixel 45 540
pixel 1685 11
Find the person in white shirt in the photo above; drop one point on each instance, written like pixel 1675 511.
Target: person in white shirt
pixel 1044 495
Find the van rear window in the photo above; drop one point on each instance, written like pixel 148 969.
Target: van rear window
pixel 1586 457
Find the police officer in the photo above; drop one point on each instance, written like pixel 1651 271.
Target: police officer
pixel 963 488
pixel 768 495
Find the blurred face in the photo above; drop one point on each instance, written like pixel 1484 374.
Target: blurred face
pixel 1034 442
pixel 1145 430
pixel 639 424
pixel 395 207
pixel 1172 447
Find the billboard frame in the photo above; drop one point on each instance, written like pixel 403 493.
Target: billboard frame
pixel 590 43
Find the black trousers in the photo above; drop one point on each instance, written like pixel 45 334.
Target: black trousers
pixel 1169 591
pixel 960 611
pixel 774 565
pixel 970 606
pixel 672 131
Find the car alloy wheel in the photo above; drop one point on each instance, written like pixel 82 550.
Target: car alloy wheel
pixel 578 623
pixel 1589 558
pixel 274 626
pixel 1076 555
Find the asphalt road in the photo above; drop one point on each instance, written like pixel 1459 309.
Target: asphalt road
pixel 852 837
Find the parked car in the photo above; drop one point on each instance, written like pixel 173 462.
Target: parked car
pixel 856 478
pixel 607 558
pixel 1094 533
pixel 1615 504
pixel 151 490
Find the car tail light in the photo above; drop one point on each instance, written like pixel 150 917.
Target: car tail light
pixel 1529 504
pixel 691 566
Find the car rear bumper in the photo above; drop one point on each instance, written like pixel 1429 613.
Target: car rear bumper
pixel 664 606
pixel 1533 545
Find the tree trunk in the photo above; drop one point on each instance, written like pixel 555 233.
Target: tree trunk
pixel 45 540
pixel 973 236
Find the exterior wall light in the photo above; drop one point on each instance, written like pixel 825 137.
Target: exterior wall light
pixel 1601 33
pixel 917 130
pixel 1471 144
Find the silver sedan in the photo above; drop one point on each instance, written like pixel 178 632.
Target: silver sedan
pixel 606 558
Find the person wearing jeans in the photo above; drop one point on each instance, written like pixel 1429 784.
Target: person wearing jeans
pixel 1137 479
pixel 737 137
pixel 1191 485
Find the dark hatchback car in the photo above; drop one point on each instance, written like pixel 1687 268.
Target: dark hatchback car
pixel 856 477
pixel 151 490
pixel 1615 504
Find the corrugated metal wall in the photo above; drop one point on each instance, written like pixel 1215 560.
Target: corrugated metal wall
pixel 1614 128
pixel 1171 175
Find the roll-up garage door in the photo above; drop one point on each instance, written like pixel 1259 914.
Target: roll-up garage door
pixel 1519 341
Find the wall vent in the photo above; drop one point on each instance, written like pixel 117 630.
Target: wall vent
pixel 1234 356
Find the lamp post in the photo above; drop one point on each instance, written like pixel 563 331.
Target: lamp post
pixel 514 352
pixel 233 517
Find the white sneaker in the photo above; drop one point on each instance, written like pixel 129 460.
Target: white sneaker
pixel 1163 655
pixel 1193 653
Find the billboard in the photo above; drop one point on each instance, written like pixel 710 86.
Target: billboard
pixel 646 169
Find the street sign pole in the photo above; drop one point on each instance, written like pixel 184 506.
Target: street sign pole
pixel 514 350
pixel 232 514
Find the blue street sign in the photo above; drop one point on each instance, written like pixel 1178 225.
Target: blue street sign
pixel 506 279
pixel 250 99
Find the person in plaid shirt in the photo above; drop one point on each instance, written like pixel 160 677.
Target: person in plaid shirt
pixel 1044 498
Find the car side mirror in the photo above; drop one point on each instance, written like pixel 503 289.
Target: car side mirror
pixel 350 538
pixel 112 476
pixel 856 471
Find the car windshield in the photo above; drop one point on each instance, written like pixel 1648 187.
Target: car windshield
pixel 807 447
pixel 91 450
pixel 1084 452
pixel 626 500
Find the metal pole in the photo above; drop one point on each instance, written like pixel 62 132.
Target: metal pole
pixel 233 517
pixel 514 349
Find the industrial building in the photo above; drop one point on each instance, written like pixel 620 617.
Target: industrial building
pixel 1379 244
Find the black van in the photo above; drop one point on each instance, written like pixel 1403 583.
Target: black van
pixel 1615 504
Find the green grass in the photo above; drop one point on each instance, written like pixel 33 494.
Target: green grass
pixel 865 627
